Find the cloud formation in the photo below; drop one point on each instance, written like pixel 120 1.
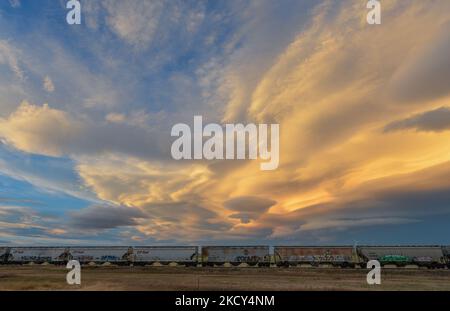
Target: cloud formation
pixel 10 56
pixel 105 217
pixel 437 120
pixel 48 84
pixel 344 93
pixel 53 132
pixel 248 208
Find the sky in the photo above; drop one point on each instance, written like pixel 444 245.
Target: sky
pixel 86 113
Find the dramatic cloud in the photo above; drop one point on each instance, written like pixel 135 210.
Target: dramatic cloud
pixel 20 220
pixel 182 221
pixel 425 72
pixel 318 69
pixel 48 131
pixel 135 21
pixel 105 217
pixel 48 84
pixel 9 57
pixel 431 121
pixel 145 24
pixel 248 208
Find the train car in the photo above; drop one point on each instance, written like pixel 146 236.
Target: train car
pixel 426 256
pixel 23 255
pixel 187 255
pixel 343 256
pixel 4 255
pixel 235 255
pixel 446 251
pixel 99 255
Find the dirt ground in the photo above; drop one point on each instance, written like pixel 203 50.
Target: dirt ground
pixel 48 277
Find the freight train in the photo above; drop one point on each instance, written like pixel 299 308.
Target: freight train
pixel 348 256
pixel 336 256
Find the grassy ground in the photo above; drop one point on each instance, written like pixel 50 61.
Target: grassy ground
pixel 48 277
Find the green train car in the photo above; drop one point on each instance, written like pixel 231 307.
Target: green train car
pixel 422 256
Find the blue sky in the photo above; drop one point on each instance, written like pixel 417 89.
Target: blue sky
pixel 86 112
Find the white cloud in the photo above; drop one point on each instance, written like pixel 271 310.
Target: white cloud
pixel 144 24
pixel 15 3
pixel 9 56
pixel 134 21
pixel 48 84
pixel 115 117
pixel 54 132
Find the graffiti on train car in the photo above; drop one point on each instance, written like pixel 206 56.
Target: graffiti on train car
pixel 394 259
pixel 423 259
pixel 248 259
pixel 142 252
pixel 236 254
pixel 37 254
pixel 320 258
pixel 178 254
pixel 102 254
pixel 403 255
pixel 298 254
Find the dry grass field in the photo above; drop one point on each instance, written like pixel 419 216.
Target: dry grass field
pixel 48 277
